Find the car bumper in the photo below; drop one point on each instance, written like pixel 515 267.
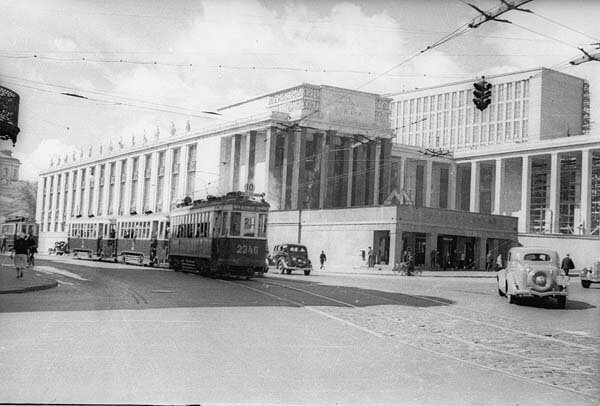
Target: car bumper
pixel 591 279
pixel 533 293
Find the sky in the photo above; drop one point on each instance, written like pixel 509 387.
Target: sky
pixel 142 64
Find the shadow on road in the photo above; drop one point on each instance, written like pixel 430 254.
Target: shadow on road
pixel 552 304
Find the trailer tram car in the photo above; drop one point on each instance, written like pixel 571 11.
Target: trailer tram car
pixel 220 236
pixel 15 225
pixel 143 240
pixel 92 238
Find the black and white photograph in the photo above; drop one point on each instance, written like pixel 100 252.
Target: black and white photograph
pixel 300 202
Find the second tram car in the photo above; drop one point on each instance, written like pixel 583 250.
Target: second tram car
pixel 92 238
pixel 143 240
pixel 220 236
pixel 13 226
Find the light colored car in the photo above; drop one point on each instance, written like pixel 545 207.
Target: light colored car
pixel 533 272
pixel 590 274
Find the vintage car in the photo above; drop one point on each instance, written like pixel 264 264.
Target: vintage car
pixel 533 272
pixel 590 274
pixel 290 257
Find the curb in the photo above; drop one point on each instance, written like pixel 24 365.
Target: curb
pixel 31 288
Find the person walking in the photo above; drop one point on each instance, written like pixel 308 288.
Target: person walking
pixel 567 264
pixel 322 259
pixel 499 262
pixel 433 256
pixel 489 261
pixel 20 251
pixel 410 265
pixel 31 249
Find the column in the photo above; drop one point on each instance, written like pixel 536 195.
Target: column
pixel 166 203
pixel 586 187
pixel 402 173
pixel 324 171
pixel 117 192
pixel 298 198
pixel 474 190
pixel 554 192
pixel 61 206
pixel 377 181
pixel 38 202
pixel 128 183
pixel 78 209
pixel 452 186
pixel 183 171
pixel 87 205
pixel 139 203
pixel 349 154
pixel 428 182
pixel 234 163
pixel 250 158
pixel 284 170
pixel 153 181
pixel 104 197
pixel 272 186
pixel 96 197
pixel 525 194
pixel 499 175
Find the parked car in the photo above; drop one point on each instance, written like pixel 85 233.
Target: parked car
pixel 533 272
pixel 60 248
pixel 291 257
pixel 590 274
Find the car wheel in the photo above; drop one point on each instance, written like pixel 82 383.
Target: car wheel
pixel 307 272
pixel 512 299
pixel 585 284
pixel 562 302
pixel 280 267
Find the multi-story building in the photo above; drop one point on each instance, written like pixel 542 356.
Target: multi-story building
pixel 530 154
pixel 9 166
pixel 323 157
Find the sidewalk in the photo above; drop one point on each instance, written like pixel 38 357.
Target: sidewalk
pixel 31 280
pixel 387 270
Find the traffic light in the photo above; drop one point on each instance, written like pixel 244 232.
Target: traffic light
pixel 483 94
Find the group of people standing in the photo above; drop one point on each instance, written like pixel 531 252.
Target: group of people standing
pixel 24 249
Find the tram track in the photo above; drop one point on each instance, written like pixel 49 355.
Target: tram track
pixel 508 350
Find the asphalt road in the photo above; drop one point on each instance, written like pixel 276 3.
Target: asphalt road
pixel 142 335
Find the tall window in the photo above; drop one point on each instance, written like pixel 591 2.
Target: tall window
pixel 160 182
pixel 122 186
pixel 101 190
pixel 175 173
pixel 147 176
pixel 134 184
pixel 111 188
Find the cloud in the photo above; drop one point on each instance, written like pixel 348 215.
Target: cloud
pixel 32 163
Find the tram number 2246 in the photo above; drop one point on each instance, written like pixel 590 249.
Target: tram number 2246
pixel 246 249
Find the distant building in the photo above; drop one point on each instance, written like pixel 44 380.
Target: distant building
pixel 9 167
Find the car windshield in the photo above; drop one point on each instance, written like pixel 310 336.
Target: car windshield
pixel 537 257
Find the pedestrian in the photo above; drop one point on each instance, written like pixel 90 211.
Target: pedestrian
pixel 31 249
pixel 489 261
pixel 322 259
pixel 433 256
pixel 567 264
pixel 410 265
pixel 3 247
pixel 20 250
pixel 499 262
pixel 371 257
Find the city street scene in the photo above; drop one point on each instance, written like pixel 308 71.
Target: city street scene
pixel 299 202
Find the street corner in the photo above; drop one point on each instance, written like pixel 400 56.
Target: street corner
pixel 31 281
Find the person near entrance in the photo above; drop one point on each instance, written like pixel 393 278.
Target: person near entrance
pixel 567 264
pixel 371 258
pixel 322 259
pixel 434 259
pixel 499 262
pixel 489 261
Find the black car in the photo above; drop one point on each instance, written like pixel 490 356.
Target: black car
pixel 290 257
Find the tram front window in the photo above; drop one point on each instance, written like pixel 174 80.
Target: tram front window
pixel 236 222
pixel 249 225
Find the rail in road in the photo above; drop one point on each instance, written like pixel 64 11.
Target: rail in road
pixel 449 330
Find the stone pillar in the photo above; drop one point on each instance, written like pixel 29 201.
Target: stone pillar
pixel 377 180
pixel 96 197
pixel 183 171
pixel 139 203
pixel 428 182
pixel 452 185
pixel 167 179
pixel 297 167
pixel 250 159
pixel 324 170
pixel 128 185
pixel 554 192
pixel 61 203
pixel 499 175
pixel 234 163
pixel 153 182
pixel 284 170
pixel 87 205
pixel 78 210
pixel 474 190
pixel 586 188
pixel 349 155
pixel 525 194
pixel 104 197
pixel 117 192
pixel 271 181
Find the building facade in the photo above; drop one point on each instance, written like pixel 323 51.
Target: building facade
pixel 530 154
pixel 9 167
pixel 320 154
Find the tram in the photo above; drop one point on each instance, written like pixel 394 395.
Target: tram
pixel 220 236
pixel 92 238
pixel 143 240
pixel 13 226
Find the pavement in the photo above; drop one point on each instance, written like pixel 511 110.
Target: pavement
pixel 31 280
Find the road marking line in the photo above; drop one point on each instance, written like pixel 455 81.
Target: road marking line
pixel 52 270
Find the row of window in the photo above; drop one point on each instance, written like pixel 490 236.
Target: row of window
pixel 233 224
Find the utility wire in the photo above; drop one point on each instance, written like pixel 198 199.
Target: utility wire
pixel 566 26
